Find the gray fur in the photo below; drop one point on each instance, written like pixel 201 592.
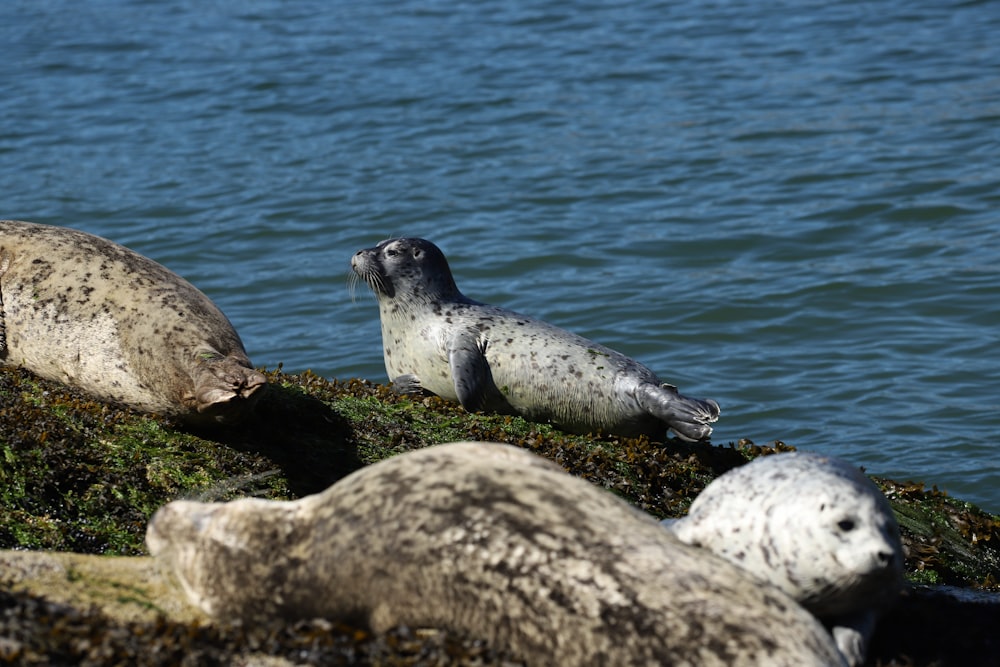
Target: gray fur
pixel 495 360
pixel 491 542
pixel 812 525
pixel 90 313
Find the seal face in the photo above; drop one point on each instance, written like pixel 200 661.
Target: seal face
pixel 81 310
pixel 495 360
pixel 812 525
pixel 492 542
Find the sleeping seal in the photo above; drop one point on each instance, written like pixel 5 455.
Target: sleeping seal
pixel 491 542
pixel 813 526
pixel 81 310
pixel 495 360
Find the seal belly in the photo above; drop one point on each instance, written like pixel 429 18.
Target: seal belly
pixel 424 356
pixel 89 355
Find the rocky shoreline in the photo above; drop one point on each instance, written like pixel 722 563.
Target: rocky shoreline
pixel 79 479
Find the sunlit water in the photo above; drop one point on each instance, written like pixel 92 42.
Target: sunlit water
pixel 790 208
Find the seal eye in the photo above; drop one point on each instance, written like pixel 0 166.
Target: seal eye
pixel 391 252
pixel 846 525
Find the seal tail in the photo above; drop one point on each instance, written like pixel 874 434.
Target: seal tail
pixel 688 417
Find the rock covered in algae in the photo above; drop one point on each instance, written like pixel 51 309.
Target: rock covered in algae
pixel 80 475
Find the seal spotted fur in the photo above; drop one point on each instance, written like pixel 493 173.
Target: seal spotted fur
pixel 812 525
pixel 492 542
pixel 90 313
pixel 492 359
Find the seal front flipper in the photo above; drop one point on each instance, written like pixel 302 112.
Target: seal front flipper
pixel 469 369
pixel 852 634
pixel 688 417
pixel 407 383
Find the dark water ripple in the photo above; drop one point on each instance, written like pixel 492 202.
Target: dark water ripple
pixel 789 207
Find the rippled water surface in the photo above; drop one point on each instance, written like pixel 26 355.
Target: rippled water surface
pixel 789 207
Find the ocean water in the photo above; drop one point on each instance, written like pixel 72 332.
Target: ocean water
pixel 790 207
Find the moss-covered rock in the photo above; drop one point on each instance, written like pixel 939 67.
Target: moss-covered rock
pixel 82 476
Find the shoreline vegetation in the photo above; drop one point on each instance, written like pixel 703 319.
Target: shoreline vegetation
pixel 80 478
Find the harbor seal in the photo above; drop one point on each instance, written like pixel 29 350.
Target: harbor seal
pixel 495 360
pixel 79 309
pixel 492 542
pixel 815 527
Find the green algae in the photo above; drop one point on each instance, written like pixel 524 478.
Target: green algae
pixel 948 541
pixel 81 475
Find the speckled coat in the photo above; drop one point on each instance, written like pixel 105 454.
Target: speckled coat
pixel 82 310
pixel 491 542
pixel 812 525
pixel 492 359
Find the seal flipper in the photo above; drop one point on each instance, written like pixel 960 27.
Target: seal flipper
pixel 5 259
pixel 408 383
pixel 469 369
pixel 225 388
pixel 852 634
pixel 688 417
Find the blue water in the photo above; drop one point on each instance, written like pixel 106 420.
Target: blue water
pixel 788 207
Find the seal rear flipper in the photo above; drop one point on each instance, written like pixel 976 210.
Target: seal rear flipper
pixel 688 417
pixel 225 389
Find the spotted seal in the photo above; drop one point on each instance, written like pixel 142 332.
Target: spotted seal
pixel 495 360
pixel 812 525
pixel 90 313
pixel 492 542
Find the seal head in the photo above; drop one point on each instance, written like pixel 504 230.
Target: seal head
pixel 812 525
pixel 495 360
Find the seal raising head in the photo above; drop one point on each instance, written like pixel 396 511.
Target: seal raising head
pixel 81 310
pixel 495 360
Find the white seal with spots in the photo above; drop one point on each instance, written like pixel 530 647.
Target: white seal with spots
pixel 496 360
pixel 812 525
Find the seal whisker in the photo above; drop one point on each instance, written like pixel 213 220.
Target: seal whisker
pixel 352 286
pixel 375 281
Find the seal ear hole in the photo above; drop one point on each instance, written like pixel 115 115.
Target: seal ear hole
pixel 846 525
pixel 417 252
